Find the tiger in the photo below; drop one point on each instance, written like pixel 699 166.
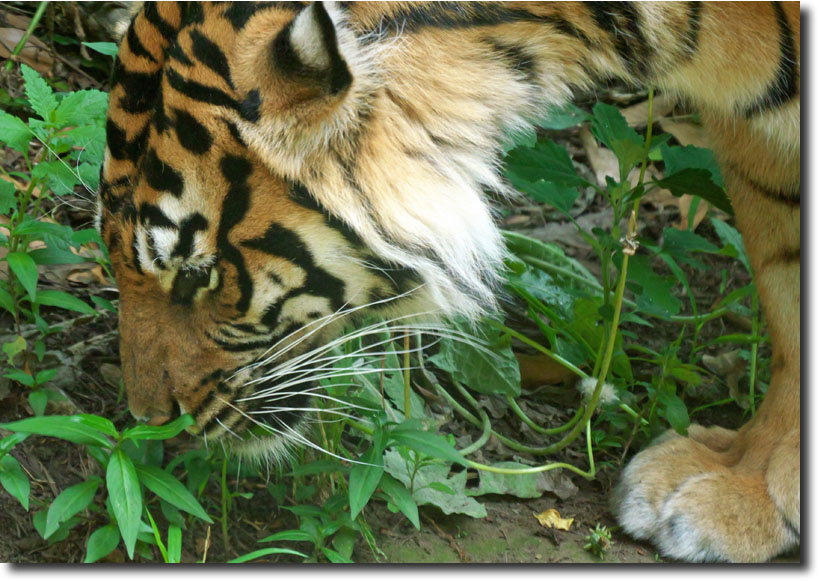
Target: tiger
pixel 273 169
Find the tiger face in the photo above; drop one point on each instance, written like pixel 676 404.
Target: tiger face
pixel 252 203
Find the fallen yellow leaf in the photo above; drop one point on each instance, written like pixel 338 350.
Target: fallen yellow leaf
pixel 551 518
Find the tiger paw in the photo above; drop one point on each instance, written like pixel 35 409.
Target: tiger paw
pixel 687 498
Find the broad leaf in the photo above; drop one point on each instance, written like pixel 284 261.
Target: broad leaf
pixel 25 270
pixel 169 489
pixel 40 95
pixel 69 502
pixel 63 300
pixel 14 133
pixel 78 429
pixel 101 543
pixel 125 498
pixel 14 480
pixel 364 479
pixel 169 430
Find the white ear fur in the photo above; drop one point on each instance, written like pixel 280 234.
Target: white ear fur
pixel 308 39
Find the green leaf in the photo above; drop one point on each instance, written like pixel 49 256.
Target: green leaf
pixel 63 300
pixel 58 176
pixel 264 552
pixel 40 95
pixel 656 294
pixel 289 535
pixel 169 430
pixel 677 158
pixel 38 400
pixel 69 502
pixel 675 411
pixel 174 544
pixel 494 371
pixel 26 271
pixel 334 556
pixel 6 301
pixel 46 256
pixel 696 182
pixel 401 498
pixel 124 495
pixel 10 441
pixel 558 196
pixel 101 543
pixel 78 429
pixel 524 485
pixel 457 503
pixel 14 133
pixel 12 348
pixel 169 489
pixel 364 480
pixel 732 239
pixel 14 480
pixel 610 127
pixel 20 376
pixel 8 199
pixel 429 444
pixel 545 161
pixel 441 487
pixel 107 48
pixel 81 107
pixel 564 117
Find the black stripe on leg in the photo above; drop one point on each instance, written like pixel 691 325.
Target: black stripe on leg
pixel 784 86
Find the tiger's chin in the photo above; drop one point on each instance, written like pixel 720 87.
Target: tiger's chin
pixel 263 445
pixel 269 436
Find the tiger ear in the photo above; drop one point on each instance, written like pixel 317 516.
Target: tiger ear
pixel 307 49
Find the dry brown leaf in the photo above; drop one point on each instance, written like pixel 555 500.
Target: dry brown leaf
pixel 637 115
pixel 540 369
pixel 731 367
pixel 684 132
pixel 551 518
pixel 87 274
pixel 35 53
pixel 111 374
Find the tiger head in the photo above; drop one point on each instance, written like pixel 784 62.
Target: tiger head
pixel 273 169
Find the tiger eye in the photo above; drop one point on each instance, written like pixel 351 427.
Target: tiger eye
pixel 187 282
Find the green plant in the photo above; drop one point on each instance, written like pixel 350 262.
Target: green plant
pixel 134 482
pixel 598 541
pixel 68 135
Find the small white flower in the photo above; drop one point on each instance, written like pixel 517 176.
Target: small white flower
pixel 607 394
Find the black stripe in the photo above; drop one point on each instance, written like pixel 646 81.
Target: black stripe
pixel 136 47
pixel 783 88
pixel 237 347
pixel 517 59
pixel 621 21
pixel 204 93
pixel 452 15
pixel 139 89
pixel 151 215
pixel 692 39
pixel 151 13
pixel 118 144
pixel 160 175
pixel 177 53
pixel 281 242
pixel 238 13
pixel 236 170
pixel 187 232
pixel 192 135
pixel 209 54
